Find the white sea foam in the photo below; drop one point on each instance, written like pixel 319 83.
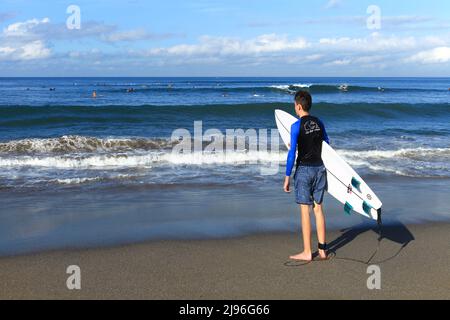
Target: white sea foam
pixel 226 158
pixel 412 153
pixel 70 181
pixel 280 87
pixel 302 85
pixel 404 162
pixel 141 160
pixel 76 180
pixel 418 162
pixel 291 87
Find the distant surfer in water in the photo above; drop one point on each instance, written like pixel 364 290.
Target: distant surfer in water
pixel 310 178
pixel 94 94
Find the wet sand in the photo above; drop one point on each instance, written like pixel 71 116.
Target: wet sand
pixel 414 262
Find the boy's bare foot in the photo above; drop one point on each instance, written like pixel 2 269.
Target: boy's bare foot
pixel 323 255
pixel 304 256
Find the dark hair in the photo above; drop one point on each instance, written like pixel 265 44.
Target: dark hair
pixel 304 99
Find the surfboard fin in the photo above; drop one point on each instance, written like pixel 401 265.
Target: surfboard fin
pixel 367 208
pixel 356 184
pixel 348 208
pixel 379 218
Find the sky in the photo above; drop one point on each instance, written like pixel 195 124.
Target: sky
pixel 264 38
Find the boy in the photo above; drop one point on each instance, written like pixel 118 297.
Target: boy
pixel 310 178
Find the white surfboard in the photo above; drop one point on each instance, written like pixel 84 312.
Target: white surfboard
pixel 344 183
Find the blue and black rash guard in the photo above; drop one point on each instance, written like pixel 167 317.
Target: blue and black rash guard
pixel 307 136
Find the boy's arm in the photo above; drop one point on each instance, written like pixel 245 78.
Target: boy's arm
pixel 295 130
pixel 325 135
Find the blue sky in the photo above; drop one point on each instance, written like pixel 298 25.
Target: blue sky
pixel 225 38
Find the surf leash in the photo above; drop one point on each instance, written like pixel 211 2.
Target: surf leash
pixel 333 254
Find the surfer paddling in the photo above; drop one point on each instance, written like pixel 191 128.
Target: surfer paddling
pixel 310 178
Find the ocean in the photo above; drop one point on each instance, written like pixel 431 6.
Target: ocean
pixel 79 171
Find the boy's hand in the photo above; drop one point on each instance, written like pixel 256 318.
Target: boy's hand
pixel 287 185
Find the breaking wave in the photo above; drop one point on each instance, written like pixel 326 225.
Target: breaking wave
pixel 67 144
pixel 418 162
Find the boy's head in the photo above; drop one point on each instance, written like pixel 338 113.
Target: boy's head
pixel 303 101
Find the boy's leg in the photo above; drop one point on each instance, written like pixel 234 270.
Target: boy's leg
pixel 321 228
pixel 306 255
pixel 319 187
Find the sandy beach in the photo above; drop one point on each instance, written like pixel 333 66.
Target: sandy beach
pixel 145 148
pixel 413 259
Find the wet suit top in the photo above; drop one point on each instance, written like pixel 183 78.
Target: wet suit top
pixel 307 135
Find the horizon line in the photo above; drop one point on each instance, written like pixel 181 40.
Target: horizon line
pixel 225 77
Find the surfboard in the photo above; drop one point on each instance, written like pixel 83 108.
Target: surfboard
pixel 344 184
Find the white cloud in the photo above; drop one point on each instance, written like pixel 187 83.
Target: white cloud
pixel 436 55
pixel 34 50
pixel 361 61
pixel 22 43
pixel 33 39
pixel 208 46
pixel 36 29
pixel 339 62
pixel 6 50
pixel 373 51
pixel 379 50
pixel 314 57
pixel 28 51
pixel 375 42
pixel 20 29
pixel 369 59
pixel 133 35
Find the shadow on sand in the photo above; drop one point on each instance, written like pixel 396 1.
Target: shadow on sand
pixel 395 232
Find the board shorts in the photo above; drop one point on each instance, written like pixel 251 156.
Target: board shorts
pixel 310 184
